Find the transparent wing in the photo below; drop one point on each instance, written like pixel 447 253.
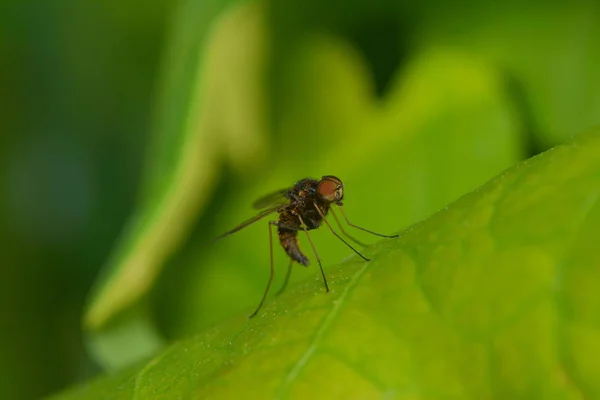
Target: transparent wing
pixel 250 221
pixel 271 199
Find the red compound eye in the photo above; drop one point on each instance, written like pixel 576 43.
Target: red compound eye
pixel 330 189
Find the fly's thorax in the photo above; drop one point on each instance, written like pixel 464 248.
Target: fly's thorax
pixel 303 191
pixel 312 217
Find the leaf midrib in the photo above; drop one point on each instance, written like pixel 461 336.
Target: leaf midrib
pixel 320 333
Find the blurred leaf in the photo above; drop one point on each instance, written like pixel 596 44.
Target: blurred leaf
pixel 100 388
pixel 444 129
pixel 550 49
pixel 492 297
pixel 209 107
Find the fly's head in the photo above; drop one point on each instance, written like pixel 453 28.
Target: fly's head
pixel 330 189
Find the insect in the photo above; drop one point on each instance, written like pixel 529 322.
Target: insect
pixel 303 207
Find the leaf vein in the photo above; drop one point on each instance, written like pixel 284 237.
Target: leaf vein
pixel 322 330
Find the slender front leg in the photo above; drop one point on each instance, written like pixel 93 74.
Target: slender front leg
pixel 314 251
pixel 336 234
pixel 271 223
pixel 363 229
pixel 343 231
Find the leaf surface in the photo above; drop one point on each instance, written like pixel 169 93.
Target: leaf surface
pixel 494 296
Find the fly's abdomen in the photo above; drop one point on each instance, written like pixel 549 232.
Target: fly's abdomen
pixel 289 242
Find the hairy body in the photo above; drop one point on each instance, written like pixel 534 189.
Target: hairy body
pixel 302 197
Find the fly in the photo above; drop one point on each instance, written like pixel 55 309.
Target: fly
pixel 302 208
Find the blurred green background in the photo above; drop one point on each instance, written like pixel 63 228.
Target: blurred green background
pixel 124 121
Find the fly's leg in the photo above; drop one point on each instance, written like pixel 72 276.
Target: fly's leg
pixel 314 251
pixel 287 278
pixel 335 233
pixel 363 229
pixel 271 223
pixel 343 231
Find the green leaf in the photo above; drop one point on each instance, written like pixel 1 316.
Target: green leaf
pixel 493 297
pixel 203 80
pixel 445 127
pixel 549 49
